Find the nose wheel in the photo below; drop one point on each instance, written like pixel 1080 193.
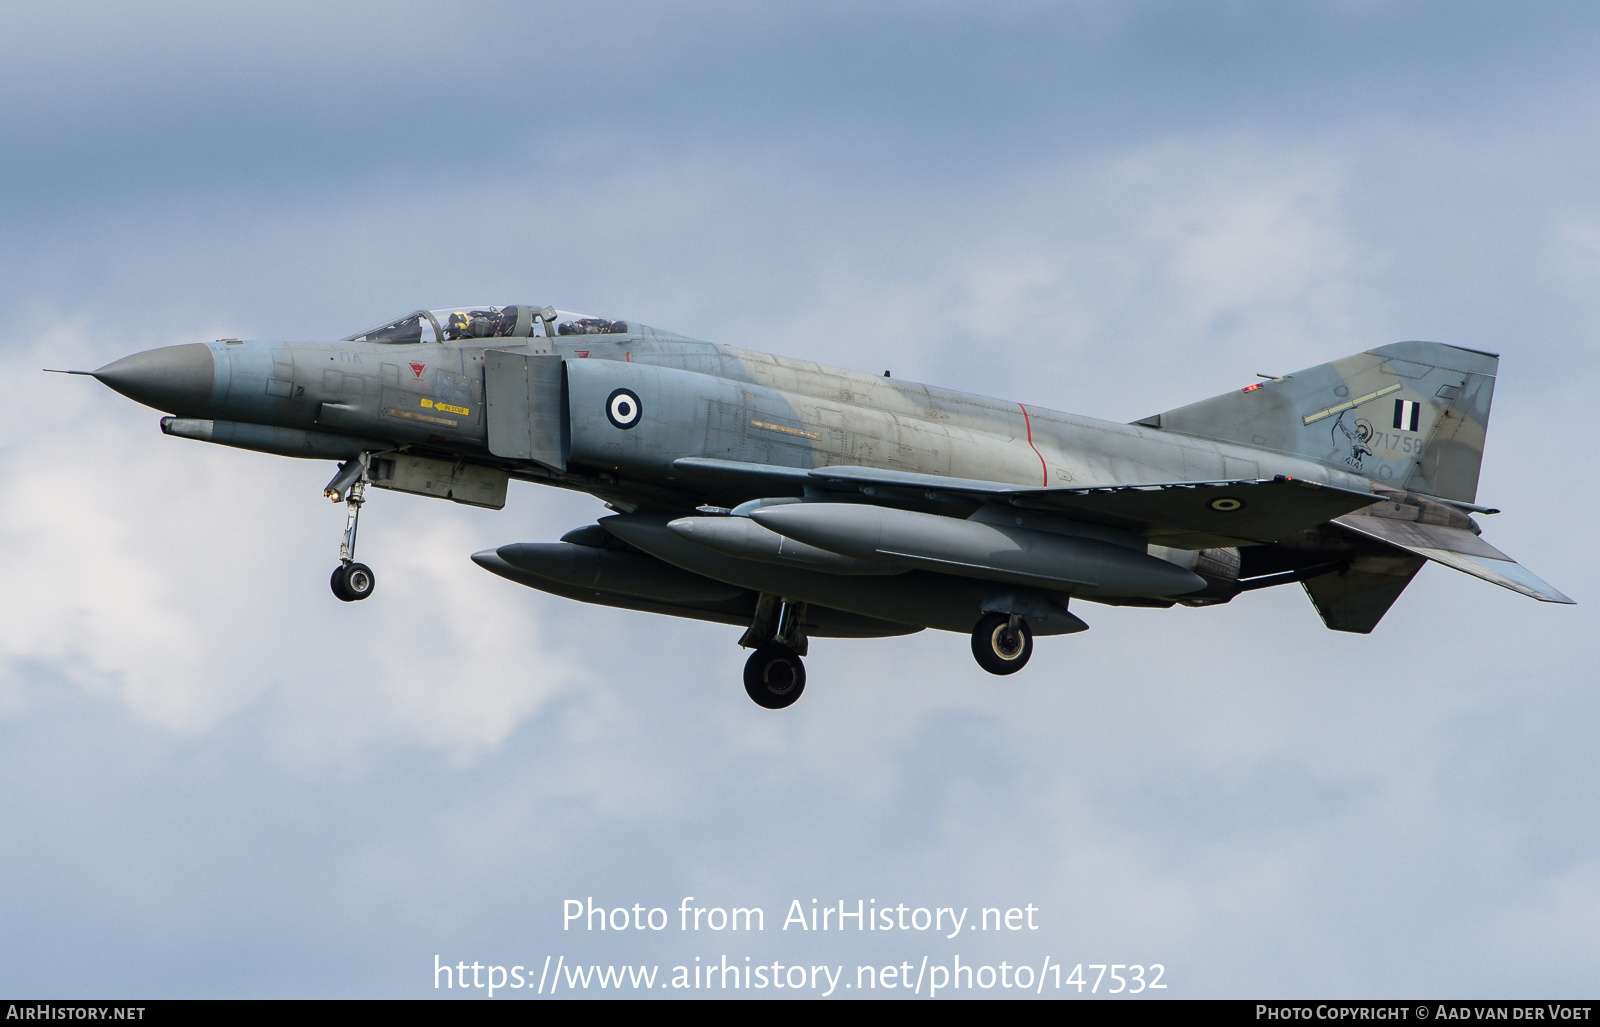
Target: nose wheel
pixel 1002 643
pixel 351 581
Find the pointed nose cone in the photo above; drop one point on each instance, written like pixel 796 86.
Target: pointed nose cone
pixel 491 561
pixel 177 379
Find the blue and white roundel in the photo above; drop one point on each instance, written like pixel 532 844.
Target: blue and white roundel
pixel 623 408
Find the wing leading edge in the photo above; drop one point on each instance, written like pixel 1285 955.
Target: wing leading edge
pixel 1179 515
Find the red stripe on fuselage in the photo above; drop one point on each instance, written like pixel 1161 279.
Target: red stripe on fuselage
pixel 1029 425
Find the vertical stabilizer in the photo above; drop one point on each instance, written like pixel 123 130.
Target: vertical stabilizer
pixel 1412 415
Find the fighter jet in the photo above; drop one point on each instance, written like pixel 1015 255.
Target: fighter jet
pixel 798 501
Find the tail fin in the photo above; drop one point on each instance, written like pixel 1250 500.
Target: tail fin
pixel 1412 415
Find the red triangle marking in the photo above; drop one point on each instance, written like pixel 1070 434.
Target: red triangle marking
pixel 417 368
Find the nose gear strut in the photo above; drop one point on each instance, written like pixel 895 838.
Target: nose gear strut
pixel 351 581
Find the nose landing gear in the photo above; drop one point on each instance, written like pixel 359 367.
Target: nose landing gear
pixel 351 581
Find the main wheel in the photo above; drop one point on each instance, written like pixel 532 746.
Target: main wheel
pixel 774 677
pixel 999 648
pixel 351 582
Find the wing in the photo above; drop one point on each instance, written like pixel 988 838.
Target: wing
pixel 1180 515
pixel 1457 548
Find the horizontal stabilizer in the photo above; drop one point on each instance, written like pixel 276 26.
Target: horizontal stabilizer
pixel 1457 548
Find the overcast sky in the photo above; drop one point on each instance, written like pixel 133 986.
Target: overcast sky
pixel 221 781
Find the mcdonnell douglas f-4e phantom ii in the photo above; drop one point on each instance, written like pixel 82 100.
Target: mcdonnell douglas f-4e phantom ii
pixel 796 500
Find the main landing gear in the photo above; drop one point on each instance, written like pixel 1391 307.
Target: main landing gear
pixel 351 581
pixel 1002 643
pixel 774 676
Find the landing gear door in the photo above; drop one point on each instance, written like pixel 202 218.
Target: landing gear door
pixel 526 407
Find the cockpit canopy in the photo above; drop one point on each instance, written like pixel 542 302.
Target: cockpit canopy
pixel 456 324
